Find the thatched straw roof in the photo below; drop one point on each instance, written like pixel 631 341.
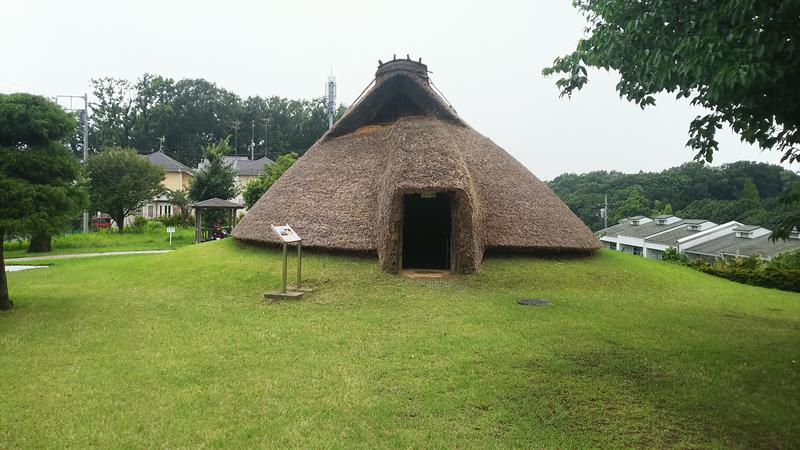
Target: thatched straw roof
pixel 346 192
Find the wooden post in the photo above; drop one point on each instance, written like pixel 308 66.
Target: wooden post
pixel 285 264
pixel 197 233
pixel 299 263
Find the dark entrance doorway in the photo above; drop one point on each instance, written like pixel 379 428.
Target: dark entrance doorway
pixel 427 231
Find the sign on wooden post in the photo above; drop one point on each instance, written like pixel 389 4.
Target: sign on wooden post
pixel 287 235
pixel 170 230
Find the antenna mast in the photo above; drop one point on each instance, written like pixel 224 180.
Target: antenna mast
pixel 330 95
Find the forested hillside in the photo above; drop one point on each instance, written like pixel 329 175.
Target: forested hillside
pixel 744 191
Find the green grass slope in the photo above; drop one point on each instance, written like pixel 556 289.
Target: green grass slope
pixel 178 350
pixel 107 241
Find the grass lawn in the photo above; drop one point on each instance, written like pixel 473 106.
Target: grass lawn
pixel 178 350
pixel 107 241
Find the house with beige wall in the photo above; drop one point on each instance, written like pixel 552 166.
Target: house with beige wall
pixel 246 170
pixel 177 177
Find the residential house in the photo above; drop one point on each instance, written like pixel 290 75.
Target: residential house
pixel 177 177
pixel 246 169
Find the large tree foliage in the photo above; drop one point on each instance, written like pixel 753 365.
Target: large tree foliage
pixel 191 114
pixel 121 182
pixel 39 190
pixel 216 179
pixel 259 185
pixel 744 191
pixel 740 59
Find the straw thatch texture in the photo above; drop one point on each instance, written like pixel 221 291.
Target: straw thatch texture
pixel 347 191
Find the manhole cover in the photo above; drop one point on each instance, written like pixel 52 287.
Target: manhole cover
pixel 533 302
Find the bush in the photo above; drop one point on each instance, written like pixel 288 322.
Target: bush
pixel 672 255
pixel 170 221
pixel 155 226
pixel 138 224
pixel 771 277
pixel 788 260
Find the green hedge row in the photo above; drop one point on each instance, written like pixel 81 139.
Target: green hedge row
pixel 771 277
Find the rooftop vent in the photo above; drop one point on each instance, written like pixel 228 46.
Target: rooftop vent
pixel 405 66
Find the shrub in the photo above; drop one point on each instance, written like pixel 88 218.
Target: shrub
pixel 138 224
pixel 155 225
pixel 672 255
pixel 788 260
pixel 170 221
pixel 772 277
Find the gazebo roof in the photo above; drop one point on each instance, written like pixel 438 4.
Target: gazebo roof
pixel 216 203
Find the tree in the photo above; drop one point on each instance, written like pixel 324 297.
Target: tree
pixel 634 203
pixel 736 58
pixel 180 198
pixel 120 182
pixel 38 174
pixel 215 179
pixel 749 191
pixel 114 113
pixel 259 185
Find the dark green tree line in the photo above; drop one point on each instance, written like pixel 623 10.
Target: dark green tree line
pixel 745 191
pixel 191 114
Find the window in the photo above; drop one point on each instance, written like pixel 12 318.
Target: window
pixel 150 211
pixel 168 210
pixel 637 251
pixel 694 227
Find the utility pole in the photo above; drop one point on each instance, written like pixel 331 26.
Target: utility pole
pixel 252 140
pixel 604 210
pixel 161 143
pixel 266 135
pixel 83 116
pixel 236 124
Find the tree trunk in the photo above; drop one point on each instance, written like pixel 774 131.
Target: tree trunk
pixel 41 241
pixel 5 301
pixel 120 219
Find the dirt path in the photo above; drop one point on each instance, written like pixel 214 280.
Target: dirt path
pixel 84 255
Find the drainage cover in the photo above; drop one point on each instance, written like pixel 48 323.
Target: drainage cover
pixel 533 302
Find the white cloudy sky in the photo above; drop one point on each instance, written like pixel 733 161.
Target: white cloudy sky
pixel 485 56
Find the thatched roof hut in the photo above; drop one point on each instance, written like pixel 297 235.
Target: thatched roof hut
pixel 401 175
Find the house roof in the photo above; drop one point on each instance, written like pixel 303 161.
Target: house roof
pixel 167 163
pixel 346 192
pixel 730 245
pixel 746 228
pixel 694 221
pixel 671 237
pixel 664 216
pixel 243 165
pixel 254 167
pixel 648 229
pixel 613 230
pixel 216 203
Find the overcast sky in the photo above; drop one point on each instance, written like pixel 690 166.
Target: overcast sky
pixel 485 56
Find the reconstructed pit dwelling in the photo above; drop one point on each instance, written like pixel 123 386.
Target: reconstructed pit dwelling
pixel 401 175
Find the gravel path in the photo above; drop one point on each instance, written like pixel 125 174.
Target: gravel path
pixel 85 255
